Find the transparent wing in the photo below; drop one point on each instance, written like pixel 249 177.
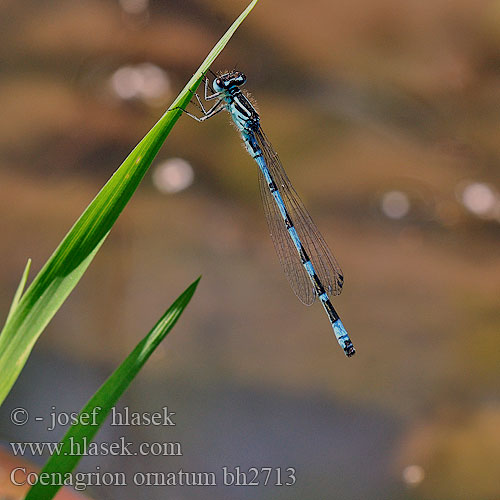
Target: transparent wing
pixel 287 253
pixel 324 263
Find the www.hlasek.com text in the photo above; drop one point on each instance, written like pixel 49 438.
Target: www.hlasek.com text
pixel 84 447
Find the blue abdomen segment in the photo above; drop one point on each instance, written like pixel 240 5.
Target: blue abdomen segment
pixel 343 338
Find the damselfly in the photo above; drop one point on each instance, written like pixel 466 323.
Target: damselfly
pixel 304 255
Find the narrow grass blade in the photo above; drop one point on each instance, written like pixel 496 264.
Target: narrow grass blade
pixel 80 435
pixel 66 266
pixel 20 289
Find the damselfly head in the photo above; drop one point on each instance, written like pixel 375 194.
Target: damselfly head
pixel 228 80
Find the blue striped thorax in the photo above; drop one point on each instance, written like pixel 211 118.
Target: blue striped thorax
pixel 243 113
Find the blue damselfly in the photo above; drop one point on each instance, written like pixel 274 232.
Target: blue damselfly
pixel 304 255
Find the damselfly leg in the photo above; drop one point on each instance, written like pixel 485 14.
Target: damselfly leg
pixel 207 113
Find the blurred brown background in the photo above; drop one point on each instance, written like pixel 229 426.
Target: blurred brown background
pixel 386 117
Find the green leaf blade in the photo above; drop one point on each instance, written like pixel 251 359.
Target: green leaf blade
pixel 107 396
pixel 20 289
